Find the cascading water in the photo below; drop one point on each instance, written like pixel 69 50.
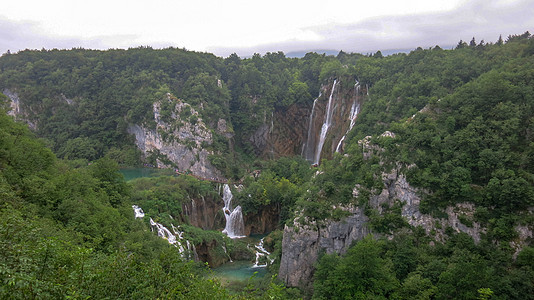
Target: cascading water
pixel 308 147
pixel 326 125
pixel 139 213
pixel 163 232
pixel 174 238
pixel 235 227
pixel 261 252
pixel 354 110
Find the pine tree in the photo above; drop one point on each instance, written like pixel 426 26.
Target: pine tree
pixel 500 41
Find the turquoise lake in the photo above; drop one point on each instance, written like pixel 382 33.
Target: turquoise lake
pixel 238 271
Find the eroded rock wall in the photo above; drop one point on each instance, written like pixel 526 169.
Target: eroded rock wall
pixel 302 244
pixel 179 141
pixel 295 130
pixel 263 221
pixel 204 212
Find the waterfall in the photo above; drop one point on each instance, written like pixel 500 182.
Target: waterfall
pixel 235 227
pixel 308 146
pixel 338 147
pixel 174 238
pixel 226 252
pixel 261 252
pixel 326 125
pixel 139 213
pixel 163 232
pixel 354 110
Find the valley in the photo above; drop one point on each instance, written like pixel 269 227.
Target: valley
pixel 168 173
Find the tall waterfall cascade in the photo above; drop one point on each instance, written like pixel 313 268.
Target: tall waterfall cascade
pixel 326 125
pixel 307 148
pixel 354 110
pixel 235 226
pixel 333 115
pixel 174 238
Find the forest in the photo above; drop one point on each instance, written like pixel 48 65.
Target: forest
pixel 463 132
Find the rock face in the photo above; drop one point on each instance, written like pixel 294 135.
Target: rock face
pixel 16 108
pixel 282 134
pixel 263 221
pixel 204 213
pixel 396 188
pixel 301 245
pixel 334 109
pixel 212 253
pixel 296 130
pixel 177 141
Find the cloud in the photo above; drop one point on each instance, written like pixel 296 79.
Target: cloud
pixel 482 19
pixel 15 36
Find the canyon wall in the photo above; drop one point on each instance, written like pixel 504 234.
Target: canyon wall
pixel 178 141
pixel 302 243
pixel 297 129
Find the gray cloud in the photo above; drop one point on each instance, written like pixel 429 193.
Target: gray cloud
pixel 482 19
pixel 15 36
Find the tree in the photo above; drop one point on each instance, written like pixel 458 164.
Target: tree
pixel 362 273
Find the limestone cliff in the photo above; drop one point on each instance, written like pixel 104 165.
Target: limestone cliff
pixel 301 244
pixel 332 115
pixel 283 132
pixel 16 110
pixel 296 130
pixel 178 139
pixel 205 213
pixel 262 222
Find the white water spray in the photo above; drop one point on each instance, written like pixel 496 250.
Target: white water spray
pixel 235 227
pixel 354 110
pixel 261 252
pixel 139 213
pixel 174 238
pixel 326 126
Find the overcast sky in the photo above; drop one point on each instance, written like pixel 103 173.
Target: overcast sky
pixel 246 27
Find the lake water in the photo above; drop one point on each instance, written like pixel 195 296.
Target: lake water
pixel 238 271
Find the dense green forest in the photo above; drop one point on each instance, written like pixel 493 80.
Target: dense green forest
pixel 70 232
pixel 463 133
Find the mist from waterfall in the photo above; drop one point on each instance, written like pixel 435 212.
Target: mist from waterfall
pixel 326 125
pixel 174 238
pixel 235 226
pixel 354 110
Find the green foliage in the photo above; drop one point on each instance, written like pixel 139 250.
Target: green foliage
pixel 70 233
pixel 278 187
pixel 408 268
pixel 362 273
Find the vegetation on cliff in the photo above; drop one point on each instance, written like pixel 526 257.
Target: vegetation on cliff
pixel 463 133
pixel 462 124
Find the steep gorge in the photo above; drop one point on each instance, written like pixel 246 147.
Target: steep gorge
pixel 297 129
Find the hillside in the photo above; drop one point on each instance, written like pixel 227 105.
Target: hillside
pixel 403 176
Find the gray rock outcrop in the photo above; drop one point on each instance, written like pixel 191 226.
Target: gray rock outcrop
pixel 302 244
pixel 179 142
